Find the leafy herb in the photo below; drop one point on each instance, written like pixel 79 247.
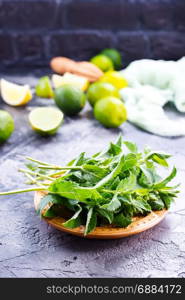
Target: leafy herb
pixel 111 186
pixel 91 221
pixel 75 221
pixel 122 221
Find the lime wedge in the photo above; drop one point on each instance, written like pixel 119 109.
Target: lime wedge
pixel 70 79
pixel 15 94
pixel 45 120
pixel 43 88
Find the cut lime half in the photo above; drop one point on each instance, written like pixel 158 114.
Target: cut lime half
pixel 46 120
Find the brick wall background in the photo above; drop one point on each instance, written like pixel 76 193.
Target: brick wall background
pixel 32 31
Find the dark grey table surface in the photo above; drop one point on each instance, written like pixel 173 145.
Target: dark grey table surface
pixel 31 248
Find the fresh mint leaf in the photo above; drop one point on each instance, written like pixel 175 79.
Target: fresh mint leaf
pixel 109 215
pixel 114 149
pixel 131 146
pixel 113 174
pixel 113 205
pixel 156 204
pixel 127 184
pixel 164 182
pixel 167 199
pixel 122 221
pixel 97 170
pixel 47 201
pixel 72 190
pixel 91 221
pixel 146 178
pixel 130 160
pixel 75 221
pixel 159 158
pixel 141 205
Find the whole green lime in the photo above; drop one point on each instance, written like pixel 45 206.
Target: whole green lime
pixel 115 56
pixel 103 62
pixel 110 112
pixel 6 125
pixel 100 90
pixel 69 99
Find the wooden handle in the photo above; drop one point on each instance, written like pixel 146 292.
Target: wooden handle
pixel 63 64
pixel 91 68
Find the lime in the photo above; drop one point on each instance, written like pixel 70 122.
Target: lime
pixel 102 62
pixel 43 88
pixel 69 78
pixel 45 120
pixel 115 78
pixel 15 94
pixel 70 99
pixel 6 125
pixel 115 56
pixel 100 90
pixel 110 111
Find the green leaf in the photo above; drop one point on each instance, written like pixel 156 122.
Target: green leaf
pixel 164 182
pixel 147 177
pixel 47 201
pixel 96 154
pixel 119 141
pixel 114 183
pixel 141 205
pixel 72 190
pixel 127 184
pixel 129 162
pixel 167 199
pixel 113 174
pixel 131 146
pixel 161 154
pixel 75 221
pixel 122 221
pixel 159 157
pixel 50 213
pixel 91 221
pixel 156 204
pixel 106 214
pixel 80 160
pixel 114 149
pixel 31 166
pixel 112 205
pixel 98 171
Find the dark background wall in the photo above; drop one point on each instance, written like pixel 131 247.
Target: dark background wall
pixel 32 31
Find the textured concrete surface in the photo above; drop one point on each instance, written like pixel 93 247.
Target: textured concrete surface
pixel 31 248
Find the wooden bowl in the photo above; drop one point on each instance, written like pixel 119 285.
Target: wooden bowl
pixel 138 225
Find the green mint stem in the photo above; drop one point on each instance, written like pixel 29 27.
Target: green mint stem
pixel 35 174
pixel 60 168
pixel 57 173
pixel 38 161
pixel 22 191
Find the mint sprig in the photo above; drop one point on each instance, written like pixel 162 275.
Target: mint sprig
pixel 110 187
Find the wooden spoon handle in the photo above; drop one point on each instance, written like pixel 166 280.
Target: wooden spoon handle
pixel 81 71
pixel 91 68
pixel 63 64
